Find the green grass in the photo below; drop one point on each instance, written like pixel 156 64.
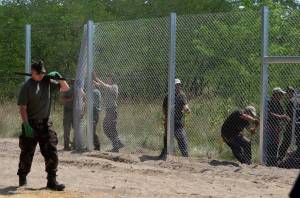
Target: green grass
pixel 141 127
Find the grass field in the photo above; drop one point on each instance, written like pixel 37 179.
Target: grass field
pixel 141 127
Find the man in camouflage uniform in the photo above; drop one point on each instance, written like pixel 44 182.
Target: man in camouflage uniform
pixel 35 104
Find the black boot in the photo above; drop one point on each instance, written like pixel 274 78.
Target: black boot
pixel 163 155
pixel 53 184
pixel 22 180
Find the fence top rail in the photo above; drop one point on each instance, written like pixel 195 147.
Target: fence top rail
pixel 281 59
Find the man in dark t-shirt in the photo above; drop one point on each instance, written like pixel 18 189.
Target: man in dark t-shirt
pixel 35 104
pixel 231 133
pixel 181 107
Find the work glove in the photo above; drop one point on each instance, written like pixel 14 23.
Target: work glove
pixel 28 130
pixel 55 75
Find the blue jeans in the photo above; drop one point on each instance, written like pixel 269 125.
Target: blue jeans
pixel 180 135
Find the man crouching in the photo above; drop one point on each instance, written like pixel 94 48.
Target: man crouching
pixel 232 135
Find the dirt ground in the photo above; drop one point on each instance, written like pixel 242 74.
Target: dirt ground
pixel 104 175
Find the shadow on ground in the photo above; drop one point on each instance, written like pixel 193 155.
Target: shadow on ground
pixel 10 190
pixel 144 158
pixel 223 163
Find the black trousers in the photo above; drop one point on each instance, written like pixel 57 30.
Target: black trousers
pixel 240 146
pixel 47 140
pixel 295 192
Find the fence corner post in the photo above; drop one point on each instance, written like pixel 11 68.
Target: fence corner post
pixel 171 83
pixel 90 67
pixel 27 49
pixel 264 82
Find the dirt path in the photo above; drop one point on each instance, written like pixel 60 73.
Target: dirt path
pixel 123 175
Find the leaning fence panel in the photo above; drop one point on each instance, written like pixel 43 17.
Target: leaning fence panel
pixel 131 59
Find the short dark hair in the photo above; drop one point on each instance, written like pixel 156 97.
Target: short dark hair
pixel 38 67
pixel 112 76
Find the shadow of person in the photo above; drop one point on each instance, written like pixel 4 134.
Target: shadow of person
pixel 36 189
pixel 144 158
pixel 223 163
pixel 10 190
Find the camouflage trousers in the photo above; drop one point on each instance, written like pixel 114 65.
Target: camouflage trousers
pixel 47 140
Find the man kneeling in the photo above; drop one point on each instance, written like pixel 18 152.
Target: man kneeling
pixel 232 135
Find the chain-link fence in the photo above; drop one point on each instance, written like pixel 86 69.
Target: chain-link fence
pixel 131 63
pixel 218 63
pixel 218 60
pixel 12 48
pixel 47 42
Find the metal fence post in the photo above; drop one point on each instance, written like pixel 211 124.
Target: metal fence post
pixel 27 50
pixel 264 81
pixel 90 66
pixel 171 84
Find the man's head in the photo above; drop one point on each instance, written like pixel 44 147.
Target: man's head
pixel 290 92
pixel 111 79
pixel 278 93
pixel 38 71
pixel 177 85
pixel 250 110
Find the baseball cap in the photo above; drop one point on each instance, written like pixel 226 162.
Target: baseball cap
pixel 177 81
pixel 278 90
pixel 290 89
pixel 39 67
pixel 251 109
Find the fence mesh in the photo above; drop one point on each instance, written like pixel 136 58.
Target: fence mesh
pixel 12 49
pixel 136 54
pixel 218 62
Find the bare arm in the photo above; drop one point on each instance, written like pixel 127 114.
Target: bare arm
pixel 186 109
pixel 252 120
pixel 281 117
pixel 99 83
pixel 63 86
pixel 23 113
